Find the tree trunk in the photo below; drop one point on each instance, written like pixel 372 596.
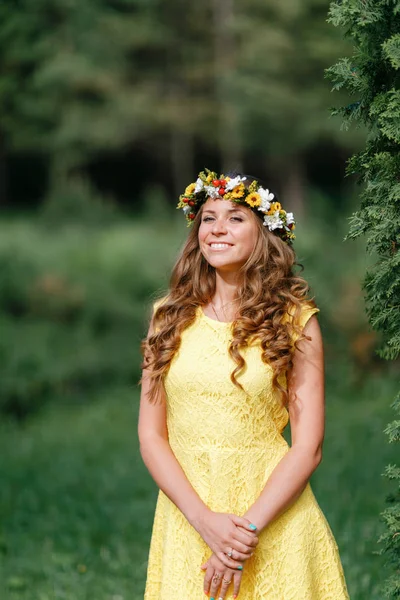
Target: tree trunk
pixel 181 144
pixel 229 138
pixel 181 160
pixel 292 183
pixel 3 174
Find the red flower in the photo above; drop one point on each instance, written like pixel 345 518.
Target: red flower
pixel 216 182
pixel 191 203
pixel 222 182
pixel 221 191
pixel 185 200
pixel 191 216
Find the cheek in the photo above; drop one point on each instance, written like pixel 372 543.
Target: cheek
pixel 201 234
pixel 249 240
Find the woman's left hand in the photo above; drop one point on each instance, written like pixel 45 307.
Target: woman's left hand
pixel 218 578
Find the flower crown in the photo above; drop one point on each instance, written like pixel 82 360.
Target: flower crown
pixel 209 185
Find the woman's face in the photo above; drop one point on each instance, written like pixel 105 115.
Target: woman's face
pixel 227 234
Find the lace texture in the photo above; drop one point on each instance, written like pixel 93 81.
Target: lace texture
pixel 228 443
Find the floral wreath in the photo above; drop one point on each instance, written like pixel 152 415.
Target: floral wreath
pixel 209 185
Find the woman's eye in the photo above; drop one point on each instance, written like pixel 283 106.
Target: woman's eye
pixel 209 219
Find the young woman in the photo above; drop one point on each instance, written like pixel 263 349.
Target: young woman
pixel 233 352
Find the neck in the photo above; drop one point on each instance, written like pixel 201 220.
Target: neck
pixel 225 287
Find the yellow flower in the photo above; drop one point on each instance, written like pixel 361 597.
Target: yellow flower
pixel 253 199
pixel 209 178
pixel 190 189
pixel 238 191
pixel 274 207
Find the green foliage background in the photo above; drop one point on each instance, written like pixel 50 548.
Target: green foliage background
pixel 76 500
pixel 109 108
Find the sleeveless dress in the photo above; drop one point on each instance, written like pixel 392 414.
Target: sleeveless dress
pixel 228 444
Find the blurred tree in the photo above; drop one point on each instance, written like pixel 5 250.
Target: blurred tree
pixel 79 80
pixel 280 89
pixel 225 78
pixel 225 69
pixel 69 88
pixel 372 75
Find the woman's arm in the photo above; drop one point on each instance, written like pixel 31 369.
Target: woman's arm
pixel 307 414
pixel 219 530
pixel 160 460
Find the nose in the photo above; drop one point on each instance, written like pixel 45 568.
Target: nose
pixel 219 226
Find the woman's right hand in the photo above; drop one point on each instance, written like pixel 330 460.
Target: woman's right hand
pixel 226 532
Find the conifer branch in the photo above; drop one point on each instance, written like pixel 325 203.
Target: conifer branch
pixel 373 75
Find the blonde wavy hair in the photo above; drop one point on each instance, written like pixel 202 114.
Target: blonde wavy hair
pixel 269 290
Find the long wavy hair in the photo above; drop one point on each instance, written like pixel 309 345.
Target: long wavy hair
pixel 268 290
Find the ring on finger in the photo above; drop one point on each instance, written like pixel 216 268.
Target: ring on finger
pixel 216 577
pixel 230 553
pixel 226 581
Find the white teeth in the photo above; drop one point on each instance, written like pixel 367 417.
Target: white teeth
pixel 219 245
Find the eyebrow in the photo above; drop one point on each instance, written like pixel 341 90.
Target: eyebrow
pixel 231 210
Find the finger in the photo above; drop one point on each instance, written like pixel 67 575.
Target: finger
pixel 226 581
pixel 244 522
pixel 239 556
pixel 229 562
pixel 215 584
pixel 246 531
pixel 237 579
pixel 250 541
pixel 207 579
pixel 239 547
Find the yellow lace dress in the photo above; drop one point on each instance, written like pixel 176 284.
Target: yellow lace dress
pixel 228 444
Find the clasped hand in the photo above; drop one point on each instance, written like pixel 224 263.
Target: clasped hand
pixel 227 533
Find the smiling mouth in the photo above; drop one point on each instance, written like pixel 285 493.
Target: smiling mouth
pixel 220 246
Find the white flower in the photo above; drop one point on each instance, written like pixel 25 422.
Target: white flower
pixel 273 221
pixel 234 182
pixel 289 218
pixel 212 192
pixel 199 186
pixel 186 209
pixel 266 198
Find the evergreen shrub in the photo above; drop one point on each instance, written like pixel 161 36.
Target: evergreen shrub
pixel 372 77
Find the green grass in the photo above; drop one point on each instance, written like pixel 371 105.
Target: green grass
pixel 76 502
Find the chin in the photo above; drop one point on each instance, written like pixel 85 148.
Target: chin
pixel 224 266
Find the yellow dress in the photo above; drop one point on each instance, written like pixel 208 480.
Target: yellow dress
pixel 228 444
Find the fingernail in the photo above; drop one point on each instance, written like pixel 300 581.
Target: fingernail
pixel 240 568
pixel 252 527
pixel 234 596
